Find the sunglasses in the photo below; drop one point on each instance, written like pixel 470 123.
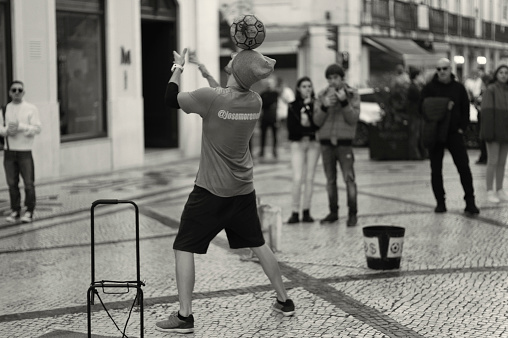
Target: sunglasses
pixel 441 68
pixel 16 90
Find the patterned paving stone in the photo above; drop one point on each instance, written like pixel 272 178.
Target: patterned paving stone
pixel 451 282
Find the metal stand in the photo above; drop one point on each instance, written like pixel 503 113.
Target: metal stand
pixel 104 284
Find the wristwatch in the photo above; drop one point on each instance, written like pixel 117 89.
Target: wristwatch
pixel 175 66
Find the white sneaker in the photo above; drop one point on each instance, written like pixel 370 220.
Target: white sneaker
pixel 13 217
pixel 492 197
pixel 502 195
pixel 27 217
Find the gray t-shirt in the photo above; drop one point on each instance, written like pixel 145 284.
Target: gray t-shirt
pixel 229 118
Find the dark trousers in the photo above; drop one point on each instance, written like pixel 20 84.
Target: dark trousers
pixel 18 163
pixel 264 128
pixel 455 144
pixel 483 146
pixel 344 155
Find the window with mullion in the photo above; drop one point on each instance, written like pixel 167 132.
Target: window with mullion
pixel 81 62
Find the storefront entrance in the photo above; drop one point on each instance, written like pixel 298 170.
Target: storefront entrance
pixel 158 37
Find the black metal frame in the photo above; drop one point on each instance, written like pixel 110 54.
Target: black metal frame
pixel 137 284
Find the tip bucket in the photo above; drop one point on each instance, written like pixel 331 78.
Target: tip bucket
pixel 383 246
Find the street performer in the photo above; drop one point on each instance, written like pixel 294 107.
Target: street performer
pixel 223 196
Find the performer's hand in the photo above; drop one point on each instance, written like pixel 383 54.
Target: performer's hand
pixel 180 59
pixel 203 70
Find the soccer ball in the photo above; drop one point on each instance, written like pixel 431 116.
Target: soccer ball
pixel 247 32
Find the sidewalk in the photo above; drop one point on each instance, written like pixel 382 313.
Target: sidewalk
pixel 452 280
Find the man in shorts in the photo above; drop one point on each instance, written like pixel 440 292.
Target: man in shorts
pixel 223 195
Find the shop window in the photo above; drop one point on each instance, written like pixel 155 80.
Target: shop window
pixel 5 52
pixel 81 63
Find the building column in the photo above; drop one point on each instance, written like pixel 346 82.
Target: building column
pixel 319 57
pixel 34 55
pixel 199 34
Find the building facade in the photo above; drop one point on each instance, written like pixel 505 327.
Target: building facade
pixel 97 71
pixel 376 35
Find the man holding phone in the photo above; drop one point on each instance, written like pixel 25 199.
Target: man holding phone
pixel 337 111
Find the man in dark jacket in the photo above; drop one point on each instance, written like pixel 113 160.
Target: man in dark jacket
pixel 455 123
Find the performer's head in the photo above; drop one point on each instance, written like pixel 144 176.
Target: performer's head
pixel 249 66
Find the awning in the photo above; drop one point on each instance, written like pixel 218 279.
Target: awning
pixel 408 50
pixel 279 40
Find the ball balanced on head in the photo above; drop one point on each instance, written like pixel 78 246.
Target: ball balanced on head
pixel 247 32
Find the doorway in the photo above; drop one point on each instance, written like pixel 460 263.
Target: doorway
pixel 160 122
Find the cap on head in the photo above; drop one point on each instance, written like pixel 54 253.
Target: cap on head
pixel 250 66
pixel 334 69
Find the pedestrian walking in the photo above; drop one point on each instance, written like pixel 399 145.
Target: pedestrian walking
pixel 270 98
pixel 304 148
pixel 223 196
pixel 450 133
pixel 337 111
pixel 494 130
pixel 475 88
pixel 416 150
pixel 20 122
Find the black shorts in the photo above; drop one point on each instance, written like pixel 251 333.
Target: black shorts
pixel 206 214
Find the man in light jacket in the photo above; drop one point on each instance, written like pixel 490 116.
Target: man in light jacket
pixel 19 124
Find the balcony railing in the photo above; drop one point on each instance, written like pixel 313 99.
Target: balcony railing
pixel 405 15
pixel 487 32
pixel 467 26
pixel 453 24
pixel 381 13
pixel 437 21
pixel 501 33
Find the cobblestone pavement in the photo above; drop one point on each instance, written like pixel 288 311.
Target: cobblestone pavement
pixel 451 283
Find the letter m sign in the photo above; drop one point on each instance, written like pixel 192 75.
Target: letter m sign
pixel 126 57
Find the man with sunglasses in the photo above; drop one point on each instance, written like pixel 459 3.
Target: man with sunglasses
pixel 19 124
pixel 451 135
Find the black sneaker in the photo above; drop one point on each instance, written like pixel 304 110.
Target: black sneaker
pixel 352 220
pixel 287 308
pixel 471 210
pixel 330 218
pixel 175 324
pixel 307 218
pixel 440 208
pixel 294 218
